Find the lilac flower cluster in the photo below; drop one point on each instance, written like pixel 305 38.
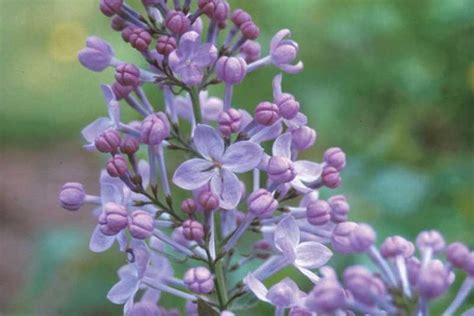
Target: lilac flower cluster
pixel 142 210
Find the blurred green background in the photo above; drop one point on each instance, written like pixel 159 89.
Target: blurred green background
pixel 391 82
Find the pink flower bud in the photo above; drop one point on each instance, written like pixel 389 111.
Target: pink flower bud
pixel 118 24
pixel 117 166
pixel 110 7
pixel 340 208
pixel 126 32
pixel 240 16
pixel 221 11
pixel 72 196
pixel 121 91
pixel 288 107
pixel 397 246
pixel 250 51
pixel 326 297
pixel 207 6
pixel 261 203
pixel 177 22
pixel 199 280
pixel 127 75
pixel 231 70
pixel 430 239
pixel 280 169
pixel 303 137
pixel 165 45
pixel 193 230
pixel 469 264
pixel 331 177
pixel 433 280
pixel 155 128
pixel 139 38
pixel 318 212
pixel 341 237
pixel 457 254
pixel 363 285
pixel 266 113
pixel 335 157
pixel 188 206
pixel 250 30
pixel 229 122
pixel 129 145
pixel 208 200
pixel 141 224
pixel 113 219
pixel 362 238
pixel 108 141
pixel 97 54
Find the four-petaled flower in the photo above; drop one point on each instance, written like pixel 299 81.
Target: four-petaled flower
pixel 191 57
pixel 303 255
pixel 305 171
pixel 218 165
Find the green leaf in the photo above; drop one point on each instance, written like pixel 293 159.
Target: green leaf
pixel 204 309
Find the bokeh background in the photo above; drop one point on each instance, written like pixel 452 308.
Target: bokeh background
pixel 391 82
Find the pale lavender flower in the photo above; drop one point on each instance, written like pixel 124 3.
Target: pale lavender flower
pixel 305 171
pixel 303 255
pixel 191 58
pixel 100 125
pixel 218 165
pixel 283 51
pixel 284 294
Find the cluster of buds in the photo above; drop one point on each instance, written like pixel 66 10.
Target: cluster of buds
pixel 221 142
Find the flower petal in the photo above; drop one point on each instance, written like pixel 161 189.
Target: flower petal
pixel 242 156
pixel 189 43
pixel 308 171
pixel 144 170
pixel 100 242
pixel 256 287
pixel 278 37
pixel 114 112
pixel 292 69
pixel 205 55
pixel 108 93
pixel 94 129
pixel 287 234
pixel 282 146
pixel 299 186
pixel 123 290
pixel 312 255
pixel 267 133
pixel 227 187
pixel 310 274
pixel 208 142
pixel 193 174
pixel 299 120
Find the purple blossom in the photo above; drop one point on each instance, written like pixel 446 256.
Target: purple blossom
pixel 306 171
pixel 97 55
pixel 218 165
pixel 191 58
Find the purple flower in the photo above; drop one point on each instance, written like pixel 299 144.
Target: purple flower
pixel 284 294
pixel 218 165
pixel 283 52
pixel 305 171
pixel 303 255
pixel 92 131
pixel 191 57
pixel 97 55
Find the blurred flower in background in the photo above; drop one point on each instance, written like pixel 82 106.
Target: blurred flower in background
pixel 390 82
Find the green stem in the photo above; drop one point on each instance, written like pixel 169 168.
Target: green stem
pixel 194 93
pixel 221 283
